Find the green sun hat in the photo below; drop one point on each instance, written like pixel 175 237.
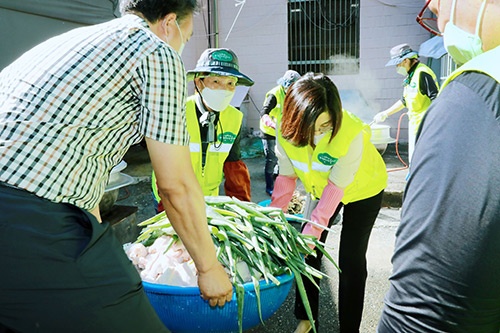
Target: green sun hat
pixel 222 62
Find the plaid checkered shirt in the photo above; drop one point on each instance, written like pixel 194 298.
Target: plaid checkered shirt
pixel 72 106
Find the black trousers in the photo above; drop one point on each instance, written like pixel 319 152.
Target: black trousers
pixel 357 223
pixel 63 271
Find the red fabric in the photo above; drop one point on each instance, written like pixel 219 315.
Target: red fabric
pixel 237 182
pixel 283 192
pixel 329 201
pixel 160 207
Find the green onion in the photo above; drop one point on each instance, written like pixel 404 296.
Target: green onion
pixel 262 237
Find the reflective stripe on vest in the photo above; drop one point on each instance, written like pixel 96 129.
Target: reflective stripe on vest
pixel 210 176
pixel 416 102
pixel 313 167
pixel 279 93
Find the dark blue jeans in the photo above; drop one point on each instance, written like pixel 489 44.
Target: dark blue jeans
pixel 357 223
pixel 269 144
pixel 63 271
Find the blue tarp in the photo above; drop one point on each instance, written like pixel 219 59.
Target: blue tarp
pixel 433 48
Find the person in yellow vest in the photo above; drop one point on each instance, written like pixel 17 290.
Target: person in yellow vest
pixel 329 150
pixel 268 116
pixel 420 88
pixel 446 266
pixel 214 126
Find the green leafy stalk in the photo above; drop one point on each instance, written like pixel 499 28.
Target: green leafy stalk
pixel 261 237
pixel 240 299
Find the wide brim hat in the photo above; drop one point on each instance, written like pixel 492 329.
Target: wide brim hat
pixel 399 53
pixel 222 62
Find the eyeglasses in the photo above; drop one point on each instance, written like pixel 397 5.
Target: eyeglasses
pixel 428 20
pixel 323 129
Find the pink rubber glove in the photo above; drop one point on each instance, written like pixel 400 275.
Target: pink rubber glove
pixel 268 121
pixel 327 204
pixel 283 192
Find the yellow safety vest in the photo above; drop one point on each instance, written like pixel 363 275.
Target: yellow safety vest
pixel 416 102
pixel 279 93
pixel 313 166
pixel 486 63
pixel 210 176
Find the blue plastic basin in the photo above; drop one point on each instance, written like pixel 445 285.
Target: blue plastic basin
pixel 266 203
pixel 182 310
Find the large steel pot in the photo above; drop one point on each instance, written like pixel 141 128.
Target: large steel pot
pixel 381 137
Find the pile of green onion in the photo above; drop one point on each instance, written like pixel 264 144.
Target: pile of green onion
pixel 262 237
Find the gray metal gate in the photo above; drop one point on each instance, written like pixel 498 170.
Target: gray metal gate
pixel 323 36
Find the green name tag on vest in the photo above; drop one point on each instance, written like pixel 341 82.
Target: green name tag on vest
pixel 327 159
pixel 227 137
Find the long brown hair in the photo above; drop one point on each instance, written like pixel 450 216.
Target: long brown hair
pixel 305 100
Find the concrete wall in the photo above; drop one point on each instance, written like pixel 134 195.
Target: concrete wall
pixel 259 37
pixel 257 32
pixel 384 24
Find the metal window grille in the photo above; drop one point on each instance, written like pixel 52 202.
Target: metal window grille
pixel 323 36
pixel 447 67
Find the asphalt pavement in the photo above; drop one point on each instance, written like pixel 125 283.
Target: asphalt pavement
pixel 380 247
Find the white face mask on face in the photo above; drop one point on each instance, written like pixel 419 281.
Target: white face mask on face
pixel 181 48
pixel 401 71
pixel 317 138
pixel 217 100
pixel 462 45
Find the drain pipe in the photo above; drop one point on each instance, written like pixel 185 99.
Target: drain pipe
pixel 216 23
pixel 213 24
pixel 209 25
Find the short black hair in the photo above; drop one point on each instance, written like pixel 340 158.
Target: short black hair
pixel 153 10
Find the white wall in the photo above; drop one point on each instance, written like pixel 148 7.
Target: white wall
pixel 259 38
pixel 384 24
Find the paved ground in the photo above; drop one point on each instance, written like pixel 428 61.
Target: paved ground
pixel 379 251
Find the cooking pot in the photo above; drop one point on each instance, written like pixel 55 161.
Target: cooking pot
pixel 381 137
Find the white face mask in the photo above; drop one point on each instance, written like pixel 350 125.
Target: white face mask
pixel 181 48
pixel 401 71
pixel 462 45
pixel 217 100
pixel 317 138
